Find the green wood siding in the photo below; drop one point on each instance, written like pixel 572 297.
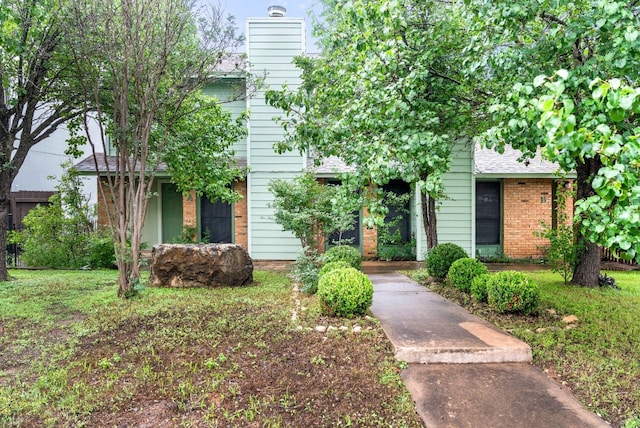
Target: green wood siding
pixel 227 92
pixel 272 43
pixel 454 216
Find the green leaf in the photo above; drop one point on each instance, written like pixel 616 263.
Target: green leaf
pixel 627 99
pixel 547 104
pixel 604 130
pixel 631 35
pixel 610 173
pixel 614 83
pixel 624 245
pixel 539 80
pixel 598 182
pixel 563 74
pixel 568 106
pixel 617 115
pixel 597 93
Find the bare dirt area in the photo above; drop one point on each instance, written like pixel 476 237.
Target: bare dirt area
pixel 232 358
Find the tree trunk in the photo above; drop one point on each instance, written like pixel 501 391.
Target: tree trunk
pixel 587 269
pixel 4 217
pixel 6 179
pixel 429 220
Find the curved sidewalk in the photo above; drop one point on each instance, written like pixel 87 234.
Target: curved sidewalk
pixel 463 371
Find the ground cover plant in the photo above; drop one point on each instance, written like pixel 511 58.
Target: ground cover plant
pixel 597 357
pixel 73 354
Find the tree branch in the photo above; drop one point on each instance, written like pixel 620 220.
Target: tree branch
pixel 552 18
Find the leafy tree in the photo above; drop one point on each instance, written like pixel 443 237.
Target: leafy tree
pixel 58 234
pixel 34 100
pixel 140 63
pixel 391 244
pixel 310 210
pixel 385 96
pixel 583 58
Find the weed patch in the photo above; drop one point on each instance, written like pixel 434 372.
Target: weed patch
pixel 73 354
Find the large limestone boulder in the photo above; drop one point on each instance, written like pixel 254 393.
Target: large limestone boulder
pixel 200 265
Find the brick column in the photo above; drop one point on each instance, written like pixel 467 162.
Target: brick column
pixel 369 239
pixel 190 209
pixel 241 223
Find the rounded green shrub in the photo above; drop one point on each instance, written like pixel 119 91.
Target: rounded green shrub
pixel 441 257
pixel 345 253
pixel 345 292
pixel 328 267
pixel 479 287
pixel 463 271
pixel 512 291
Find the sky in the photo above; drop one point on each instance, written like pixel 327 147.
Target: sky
pixel 242 9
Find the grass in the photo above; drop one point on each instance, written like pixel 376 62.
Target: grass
pixel 73 354
pixel 599 357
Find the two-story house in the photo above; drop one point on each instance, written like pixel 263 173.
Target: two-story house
pixel 483 194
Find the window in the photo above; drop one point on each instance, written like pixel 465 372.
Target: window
pixel 488 213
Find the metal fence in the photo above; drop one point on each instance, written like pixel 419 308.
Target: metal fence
pixel 14 252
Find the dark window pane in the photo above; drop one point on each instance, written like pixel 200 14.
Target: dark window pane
pixel 488 215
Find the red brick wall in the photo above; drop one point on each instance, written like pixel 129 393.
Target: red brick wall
pixel 241 224
pixel 369 239
pixel 190 209
pixel 526 203
pixel 103 212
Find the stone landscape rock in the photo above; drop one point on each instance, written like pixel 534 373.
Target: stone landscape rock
pixel 200 265
pixel 570 319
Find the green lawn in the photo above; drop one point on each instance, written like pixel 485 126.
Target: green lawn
pixel 598 358
pixel 73 354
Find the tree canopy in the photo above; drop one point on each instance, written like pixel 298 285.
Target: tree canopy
pixel 35 97
pixel 385 96
pixel 569 76
pixel 141 64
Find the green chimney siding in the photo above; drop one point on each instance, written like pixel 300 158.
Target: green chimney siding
pixel 227 91
pixel 272 44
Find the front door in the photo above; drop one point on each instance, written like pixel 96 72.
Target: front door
pixel 350 237
pixel 171 213
pixel 216 221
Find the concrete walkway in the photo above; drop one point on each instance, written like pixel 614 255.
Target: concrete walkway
pixel 463 371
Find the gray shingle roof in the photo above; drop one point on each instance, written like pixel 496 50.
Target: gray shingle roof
pixel 487 163
pixel 87 165
pixel 329 166
pixel 490 162
pixel 232 64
